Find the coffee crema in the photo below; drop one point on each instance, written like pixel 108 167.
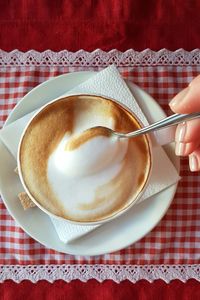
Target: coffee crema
pixel 90 180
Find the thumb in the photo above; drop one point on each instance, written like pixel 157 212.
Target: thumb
pixel 188 100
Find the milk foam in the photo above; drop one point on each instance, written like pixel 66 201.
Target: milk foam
pixel 76 175
pixel 91 157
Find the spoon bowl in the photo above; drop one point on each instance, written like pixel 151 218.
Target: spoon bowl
pixel 104 131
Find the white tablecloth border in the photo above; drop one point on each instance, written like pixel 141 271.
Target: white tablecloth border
pixel 99 58
pixel 117 273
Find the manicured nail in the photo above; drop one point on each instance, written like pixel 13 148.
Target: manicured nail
pixel 180 149
pixel 180 132
pixel 193 162
pixel 179 97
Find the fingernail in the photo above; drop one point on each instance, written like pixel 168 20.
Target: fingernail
pixel 180 132
pixel 193 162
pixel 179 97
pixel 180 149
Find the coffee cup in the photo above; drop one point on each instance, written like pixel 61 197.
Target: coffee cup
pixel 97 181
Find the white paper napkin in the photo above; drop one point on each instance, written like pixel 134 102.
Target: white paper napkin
pixel 106 83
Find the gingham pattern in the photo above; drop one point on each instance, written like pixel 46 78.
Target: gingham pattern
pixel 175 240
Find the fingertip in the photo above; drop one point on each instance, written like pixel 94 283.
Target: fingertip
pixel 188 132
pixel 195 81
pixel 185 149
pixel 176 103
pixel 194 163
pixel 194 160
pixel 187 101
pixel 180 134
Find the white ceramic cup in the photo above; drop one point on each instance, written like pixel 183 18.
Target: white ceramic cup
pixel 119 212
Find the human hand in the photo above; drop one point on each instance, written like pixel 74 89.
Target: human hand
pixel 188 133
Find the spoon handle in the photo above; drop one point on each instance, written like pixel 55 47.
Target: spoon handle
pixel 169 121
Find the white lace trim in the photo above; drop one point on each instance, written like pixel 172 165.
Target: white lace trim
pixel 99 58
pixel 116 273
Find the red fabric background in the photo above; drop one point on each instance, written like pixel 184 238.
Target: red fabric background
pixel 93 290
pixel 74 25
pixel 105 24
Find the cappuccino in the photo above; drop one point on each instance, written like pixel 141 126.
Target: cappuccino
pixel 91 178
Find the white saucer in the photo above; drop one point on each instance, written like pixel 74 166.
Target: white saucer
pixel 115 235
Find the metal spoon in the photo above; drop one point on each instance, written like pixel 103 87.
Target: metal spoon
pixel 166 122
pixel 77 140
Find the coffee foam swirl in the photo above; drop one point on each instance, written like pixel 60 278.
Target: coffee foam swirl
pixel 77 188
pixel 94 155
pixel 81 138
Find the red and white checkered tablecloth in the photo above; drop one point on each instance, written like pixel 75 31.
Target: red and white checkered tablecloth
pixel 174 244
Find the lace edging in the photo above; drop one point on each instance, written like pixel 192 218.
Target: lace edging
pixel 99 58
pixel 116 273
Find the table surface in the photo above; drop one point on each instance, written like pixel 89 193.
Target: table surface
pixel 107 25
